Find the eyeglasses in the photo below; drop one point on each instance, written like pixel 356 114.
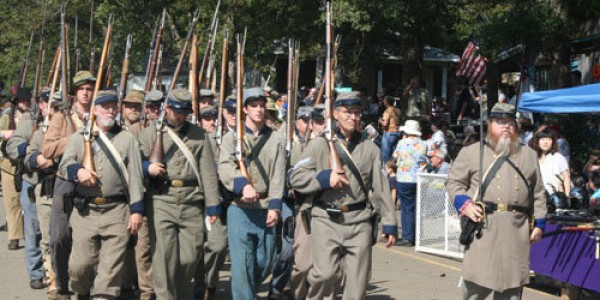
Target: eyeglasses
pixel 347 114
pixel 508 122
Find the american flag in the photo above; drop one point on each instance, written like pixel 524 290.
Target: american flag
pixel 472 65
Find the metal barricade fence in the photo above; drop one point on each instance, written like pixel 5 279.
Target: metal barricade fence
pixel 437 224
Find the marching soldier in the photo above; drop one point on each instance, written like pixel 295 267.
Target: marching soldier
pixel 317 122
pixel 8 122
pixel 108 202
pixel 343 216
pixel 207 98
pixel 229 113
pixel 132 109
pixel 215 245
pixel 25 181
pixel 180 187
pixel 45 170
pixel 497 261
pixel 53 147
pixel 253 215
pixel 154 100
pixel 139 257
pixel 283 268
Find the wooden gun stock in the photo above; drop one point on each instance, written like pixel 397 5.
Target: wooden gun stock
pixel 240 127
pixel 88 159
pixel 335 163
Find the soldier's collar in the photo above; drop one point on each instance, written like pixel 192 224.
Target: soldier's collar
pixel 182 129
pixel 266 129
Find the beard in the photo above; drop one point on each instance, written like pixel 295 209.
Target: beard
pixel 107 121
pixel 133 117
pixel 503 145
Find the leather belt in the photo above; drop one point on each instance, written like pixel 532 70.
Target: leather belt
pixel 491 207
pixel 106 200
pixel 329 207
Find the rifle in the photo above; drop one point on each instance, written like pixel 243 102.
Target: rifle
pixel 25 65
pixel 334 159
pixel 64 70
pixel 211 61
pixel 157 82
pixel 88 156
pixel 40 59
pixel 76 46
pixel 209 45
pixel 107 72
pixel 46 121
pixel 124 71
pixel 156 50
pixel 240 128
pixel 92 50
pixel 53 66
pixel 291 99
pixel 219 133
pixel 336 45
pixel 22 80
pixel 156 153
pixel 193 78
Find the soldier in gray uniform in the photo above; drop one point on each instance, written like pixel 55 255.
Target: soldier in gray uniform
pixel 253 215
pixel 45 172
pixel 108 201
pixel 16 148
pixel 342 213
pixel 180 187
pixel 283 268
pixel 215 244
pixel 497 260
pixel 154 101
pixel 53 146
pixel 132 108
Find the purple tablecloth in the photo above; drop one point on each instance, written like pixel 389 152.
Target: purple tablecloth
pixel 568 257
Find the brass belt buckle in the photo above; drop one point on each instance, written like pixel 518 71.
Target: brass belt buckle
pixel 100 201
pixel 176 183
pixel 501 207
pixel 344 208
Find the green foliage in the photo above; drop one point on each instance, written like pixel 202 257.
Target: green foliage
pixel 369 28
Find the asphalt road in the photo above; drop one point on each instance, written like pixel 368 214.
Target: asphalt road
pixel 398 273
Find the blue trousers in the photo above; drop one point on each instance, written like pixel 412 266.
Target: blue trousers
pixel 407 194
pixel 33 235
pixel 252 249
pixel 283 266
pixel 388 143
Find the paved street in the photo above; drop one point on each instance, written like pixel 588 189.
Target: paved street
pixel 398 273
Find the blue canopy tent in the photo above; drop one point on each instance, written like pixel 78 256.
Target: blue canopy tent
pixel 580 99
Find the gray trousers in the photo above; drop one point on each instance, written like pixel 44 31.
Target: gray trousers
pixel 329 241
pixel 60 234
pixel 178 238
pixel 100 239
pixel 473 291
pixel 44 209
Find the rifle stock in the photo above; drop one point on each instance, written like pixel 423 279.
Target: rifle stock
pixel 88 158
pixel 334 158
pixel 240 127
pixel 53 66
pixel 64 71
pixel 124 71
pixel 47 117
